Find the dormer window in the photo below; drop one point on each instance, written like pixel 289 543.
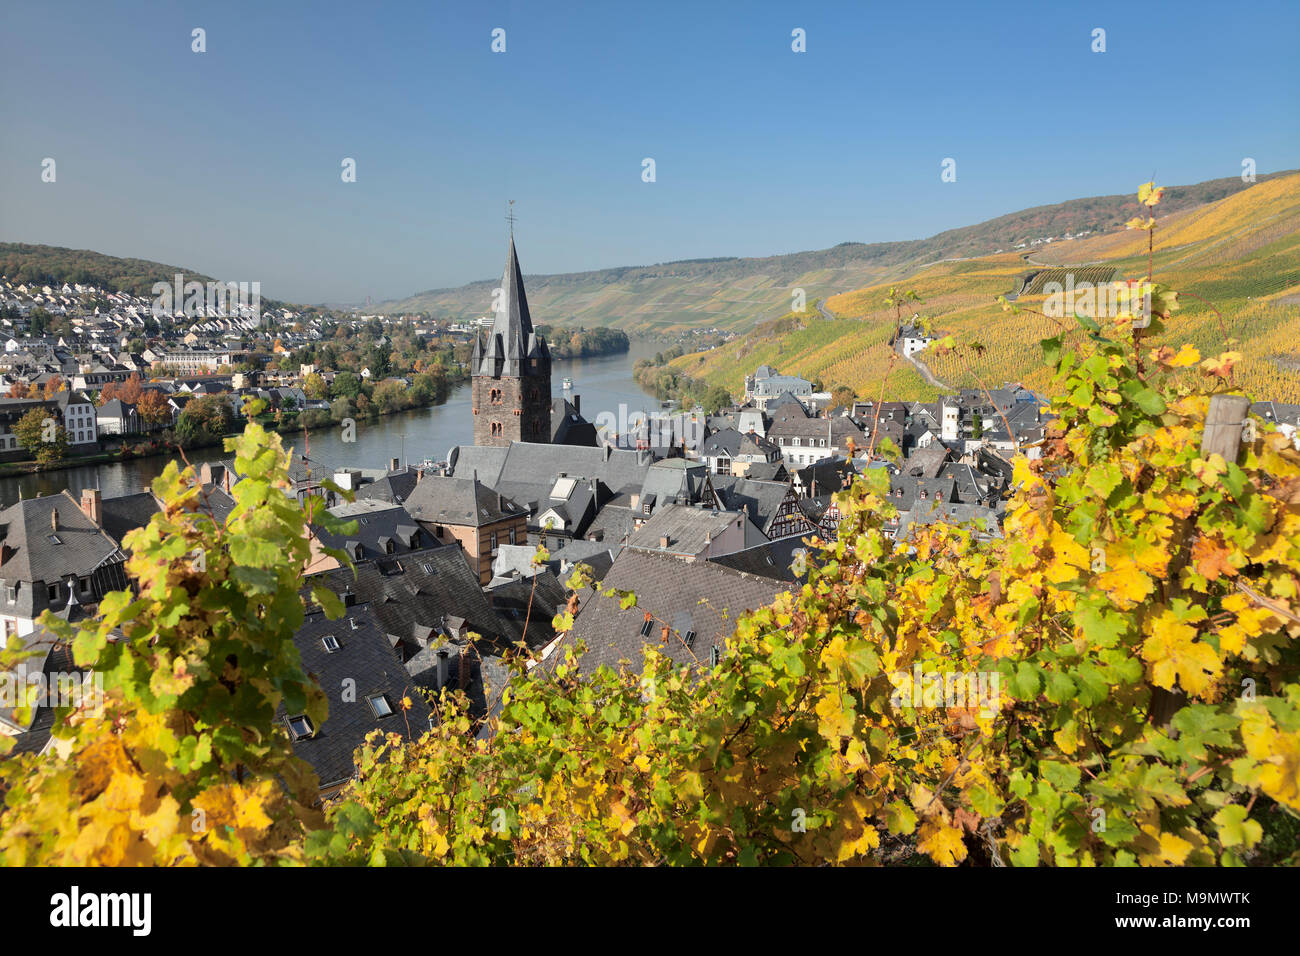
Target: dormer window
pixel 52 592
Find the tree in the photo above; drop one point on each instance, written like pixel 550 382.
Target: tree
pixel 314 386
pixel 153 407
pixel 204 419
pixel 346 385
pixel 20 390
pixel 341 408
pixel 842 397
pixel 131 390
pixel 53 385
pixel 40 433
pixel 391 396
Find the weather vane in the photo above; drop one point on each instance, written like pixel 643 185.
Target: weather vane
pixel 510 216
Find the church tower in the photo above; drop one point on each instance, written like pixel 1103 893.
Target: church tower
pixel 510 372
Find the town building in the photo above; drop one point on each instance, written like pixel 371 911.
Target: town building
pixel 510 377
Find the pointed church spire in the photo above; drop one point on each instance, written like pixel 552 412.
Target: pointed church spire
pixel 513 316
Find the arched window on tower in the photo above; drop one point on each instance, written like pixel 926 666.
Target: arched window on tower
pixel 497 430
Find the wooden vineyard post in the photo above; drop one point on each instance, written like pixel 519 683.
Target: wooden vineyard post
pixel 1223 427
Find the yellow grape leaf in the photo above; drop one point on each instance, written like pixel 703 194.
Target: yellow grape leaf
pixel 1176 656
pixel 1149 193
pixel 1125 584
pixel 1185 357
pixel 1173 850
pixel 835 721
pixel 1276 754
pixel 942 843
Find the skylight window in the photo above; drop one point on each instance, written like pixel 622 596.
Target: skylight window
pixel 54 539
pixel 563 488
pixel 300 727
pixel 331 643
pixel 379 705
pixel 646 625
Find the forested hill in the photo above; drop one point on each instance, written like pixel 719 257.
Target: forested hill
pixel 737 293
pixel 23 262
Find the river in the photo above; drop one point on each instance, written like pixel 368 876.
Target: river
pixel 603 382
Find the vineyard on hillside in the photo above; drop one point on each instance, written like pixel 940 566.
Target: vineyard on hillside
pixel 1073 275
pixel 1240 255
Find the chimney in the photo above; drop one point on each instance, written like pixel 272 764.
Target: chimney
pixel 92 503
pixel 663 542
pixel 54 519
pixel 464 670
pixel 394 464
pixel 577 404
pixel 442 667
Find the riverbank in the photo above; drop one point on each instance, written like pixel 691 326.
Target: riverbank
pixel 605 384
pixel 155 446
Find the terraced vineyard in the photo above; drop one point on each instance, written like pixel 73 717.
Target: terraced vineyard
pixel 1242 253
pixel 1094 275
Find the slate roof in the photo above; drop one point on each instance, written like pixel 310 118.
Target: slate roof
pixel 689 530
pixel 760 500
pixel 702 597
pixel 483 461
pixel 828 475
pixel 365 657
pixel 568 427
pixel 927 462
pixel 394 487
pixel 612 524
pixel 674 480
pixel 127 512
pixel 986 520
pixel 382 530
pixel 1279 413
pixel 510 599
pixel 459 501
pixel 413 593
pixel 31 555
pixel 771 559
pixel 114 408
pixel 41 642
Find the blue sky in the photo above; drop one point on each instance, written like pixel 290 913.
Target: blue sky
pixel 228 162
